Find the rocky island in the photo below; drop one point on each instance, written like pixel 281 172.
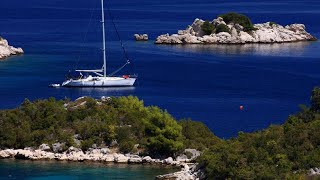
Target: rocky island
pixel 233 28
pixel 6 50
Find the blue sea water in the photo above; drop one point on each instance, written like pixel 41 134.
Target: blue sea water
pixel 205 83
pixel 48 170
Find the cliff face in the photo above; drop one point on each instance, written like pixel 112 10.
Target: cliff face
pixel 6 50
pixel 264 33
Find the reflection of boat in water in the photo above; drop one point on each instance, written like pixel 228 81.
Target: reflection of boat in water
pixel 99 78
pixel 55 85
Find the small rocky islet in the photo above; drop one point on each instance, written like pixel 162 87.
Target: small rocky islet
pixel 6 50
pixel 233 28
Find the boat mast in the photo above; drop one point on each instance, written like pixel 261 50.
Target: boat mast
pixel 104 42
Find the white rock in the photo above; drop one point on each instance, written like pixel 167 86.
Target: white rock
pixel 120 158
pixel 6 50
pixel 107 158
pixel 169 160
pixel 44 147
pixel 8 153
pixel 264 34
pixel 105 151
pixel 141 37
pixel 58 147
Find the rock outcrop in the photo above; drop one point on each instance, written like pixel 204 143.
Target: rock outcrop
pixel 264 33
pixel 6 50
pixel 189 171
pixel 314 172
pixel 141 37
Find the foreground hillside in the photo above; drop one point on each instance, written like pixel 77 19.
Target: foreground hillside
pixel 279 152
pixel 124 123
pixel 285 151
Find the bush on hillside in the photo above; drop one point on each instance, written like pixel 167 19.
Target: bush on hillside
pixel 124 119
pixel 197 135
pixel 207 28
pixel 222 28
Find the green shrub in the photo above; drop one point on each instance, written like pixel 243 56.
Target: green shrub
pixel 238 19
pixel 126 146
pixel 222 28
pixel 86 144
pixel 197 135
pixel 272 23
pixel 207 28
pixel 315 99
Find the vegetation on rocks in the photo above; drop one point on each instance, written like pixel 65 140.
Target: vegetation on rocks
pixel 241 19
pixel 124 120
pixel 272 23
pixel 285 151
pixel 222 28
pixel 207 28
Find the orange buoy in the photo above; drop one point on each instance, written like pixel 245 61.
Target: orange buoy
pixel 241 108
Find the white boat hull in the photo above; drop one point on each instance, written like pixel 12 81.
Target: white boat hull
pixel 100 82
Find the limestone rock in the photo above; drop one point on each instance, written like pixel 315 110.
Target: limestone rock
pixel 141 37
pixel 58 147
pixel 264 33
pixel 105 151
pixel 6 50
pixel 44 147
pixel 120 158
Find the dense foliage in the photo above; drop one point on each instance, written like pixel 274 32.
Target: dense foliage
pixel 238 19
pixel 279 152
pixel 123 119
pixel 274 153
pixel 222 28
pixel 207 28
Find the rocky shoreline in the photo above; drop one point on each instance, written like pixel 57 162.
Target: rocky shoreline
pixel 188 171
pixel 6 50
pixel 264 33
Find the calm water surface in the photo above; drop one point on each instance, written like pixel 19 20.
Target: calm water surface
pixel 205 83
pixel 46 170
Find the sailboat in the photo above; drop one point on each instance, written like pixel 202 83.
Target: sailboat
pixel 100 77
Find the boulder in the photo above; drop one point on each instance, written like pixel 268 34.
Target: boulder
pixel 6 50
pixel 73 149
pixel 105 150
pixel 182 158
pixel 8 153
pixel 169 160
pixel 147 159
pixel 135 159
pixel 141 37
pixel 120 158
pixel 44 147
pixel 195 153
pixel 58 147
pixel 108 158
